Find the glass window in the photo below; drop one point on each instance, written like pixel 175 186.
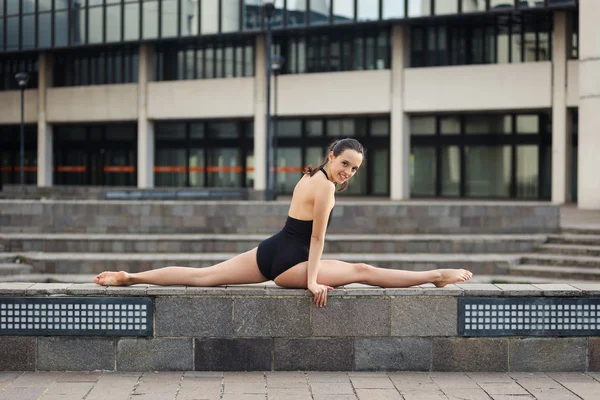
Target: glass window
pixel 393 9
pixel 450 171
pixel 197 130
pixel 150 19
pixel 422 126
pixel 357 185
pixel 380 127
pixel 222 130
pixel 543 48
pixel 450 125
pixel 343 11
pixel 527 124
pixel 319 12
pixel 189 17
pixel 314 127
pixel 2 33
pixel 527 172
pixel 196 167
pixel 61 34
pixel 340 127
pixel 502 45
pixel 199 64
pixel 230 15
pixel 224 167
pixel 28 32
pixel 367 10
pixel 296 13
pixel 132 21
pixel 209 63
pixel 419 8
pixel 422 171
pixel 501 4
pixel 446 7
pixel 113 23
pixel 170 167
pixel 12 34
pixel 78 24
pixel 170 131
pixel 249 57
pixel 12 7
pixel 209 16
pixel 289 128
pixel 218 62
pixel 239 61
pixel 488 171
pixel 95 26
pixel 289 168
pixel 381 180
pixel 228 60
pixel 189 64
pixel 472 5
pixel 251 14
pixel 488 124
pixel 169 18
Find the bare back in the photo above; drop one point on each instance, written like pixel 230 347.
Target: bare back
pixel 303 198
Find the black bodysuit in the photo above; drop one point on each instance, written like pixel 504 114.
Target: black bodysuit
pixel 287 248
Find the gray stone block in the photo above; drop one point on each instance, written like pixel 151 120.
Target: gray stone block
pixel 469 354
pixel 314 354
pixel 233 355
pixel 352 317
pixel 548 354
pixel 17 353
pixel 75 354
pixel 155 354
pixel 195 316
pixel 14 288
pixel 424 316
pixel 593 354
pixel 392 354
pixel 271 317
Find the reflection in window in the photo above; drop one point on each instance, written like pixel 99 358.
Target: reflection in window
pixel 381 182
pixel 450 171
pixel 393 9
pixel 488 124
pixel 319 12
pixel 119 65
pixel 132 21
pixel 422 125
pixel 252 14
pixel 230 15
pixel 224 167
pixel 446 7
pixel 422 171
pixel 472 5
pixel 366 10
pixel 296 13
pixel 289 168
pixel 527 172
pixel 169 18
pixel 113 23
pixel 501 4
pixel 343 11
pixel 28 32
pixel 209 17
pixel 488 171
pixel 419 8
pixel 96 27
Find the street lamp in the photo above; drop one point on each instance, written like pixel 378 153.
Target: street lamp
pixel 268 9
pixel 276 66
pixel 22 79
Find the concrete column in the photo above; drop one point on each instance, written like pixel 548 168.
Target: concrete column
pixel 260 115
pixel 400 130
pixel 145 153
pixel 588 185
pixel 44 130
pixel 561 138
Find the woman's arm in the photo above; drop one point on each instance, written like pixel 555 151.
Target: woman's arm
pixel 323 203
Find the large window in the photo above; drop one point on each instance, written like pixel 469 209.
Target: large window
pixel 97 67
pixel 506 38
pixel 204 60
pixel 204 154
pixel 481 156
pixel 100 154
pixel 11 65
pixel 10 154
pixel 302 142
pixel 352 50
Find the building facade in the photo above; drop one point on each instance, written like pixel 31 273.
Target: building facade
pixel 492 99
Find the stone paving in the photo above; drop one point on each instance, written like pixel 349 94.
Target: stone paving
pixel 297 385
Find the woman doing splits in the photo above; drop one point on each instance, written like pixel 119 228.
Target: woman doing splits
pixel 292 257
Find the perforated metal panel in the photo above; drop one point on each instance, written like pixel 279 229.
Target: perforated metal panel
pixel 89 316
pixel 544 316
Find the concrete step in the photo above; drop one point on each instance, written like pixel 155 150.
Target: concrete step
pixel 561 273
pixel 592 229
pixel 91 263
pixel 569 249
pixel 7 269
pixel 572 238
pixel 495 279
pixel 561 260
pixel 236 243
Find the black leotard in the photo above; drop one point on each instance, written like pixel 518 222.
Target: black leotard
pixel 287 248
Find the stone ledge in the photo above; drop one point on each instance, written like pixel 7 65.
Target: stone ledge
pixel 270 289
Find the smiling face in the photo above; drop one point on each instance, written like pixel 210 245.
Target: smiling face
pixel 344 166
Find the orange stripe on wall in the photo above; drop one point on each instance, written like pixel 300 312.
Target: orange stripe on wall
pixel 168 168
pixel 119 168
pixel 71 168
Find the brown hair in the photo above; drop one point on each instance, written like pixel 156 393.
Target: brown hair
pixel 337 147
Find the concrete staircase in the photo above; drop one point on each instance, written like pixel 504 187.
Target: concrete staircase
pixel 566 256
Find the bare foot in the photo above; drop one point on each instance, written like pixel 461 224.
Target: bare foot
pixel 120 278
pixel 449 276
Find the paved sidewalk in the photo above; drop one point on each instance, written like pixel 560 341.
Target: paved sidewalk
pixel 298 386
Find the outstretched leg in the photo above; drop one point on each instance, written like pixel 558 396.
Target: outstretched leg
pixel 237 270
pixel 338 273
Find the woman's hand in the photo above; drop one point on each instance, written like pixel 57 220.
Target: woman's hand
pixel 320 292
